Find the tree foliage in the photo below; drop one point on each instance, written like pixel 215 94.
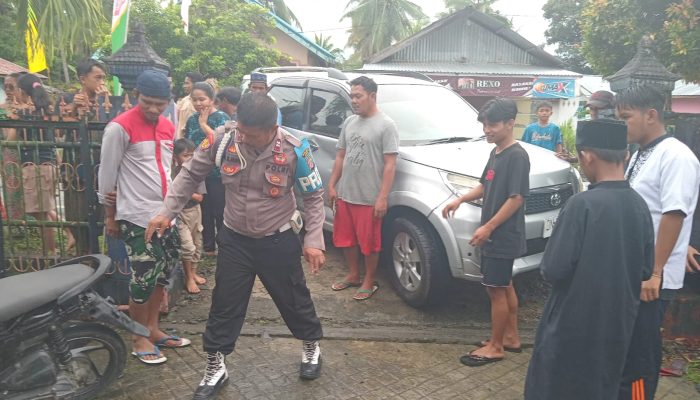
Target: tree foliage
pixel 377 24
pixel 327 44
pixel 602 35
pixel 281 10
pixel 11 43
pixel 484 6
pixel 565 31
pixel 65 26
pixel 227 38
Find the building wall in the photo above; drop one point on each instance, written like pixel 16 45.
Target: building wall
pixel 463 40
pixel 285 44
pixel 687 105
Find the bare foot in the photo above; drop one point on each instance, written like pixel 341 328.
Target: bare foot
pixel 200 280
pixel 514 344
pixel 192 287
pixel 488 351
pixel 71 241
pixel 142 345
pixel 164 303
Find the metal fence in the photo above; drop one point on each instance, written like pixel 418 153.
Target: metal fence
pixel 49 179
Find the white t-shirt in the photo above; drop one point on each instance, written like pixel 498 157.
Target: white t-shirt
pixel 668 180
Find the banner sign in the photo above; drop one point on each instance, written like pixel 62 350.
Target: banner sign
pixel 554 88
pixel 120 28
pixel 506 86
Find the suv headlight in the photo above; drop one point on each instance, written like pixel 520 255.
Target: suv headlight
pixel 578 181
pixel 460 184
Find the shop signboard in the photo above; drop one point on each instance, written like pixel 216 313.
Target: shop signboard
pixel 554 88
pixel 502 86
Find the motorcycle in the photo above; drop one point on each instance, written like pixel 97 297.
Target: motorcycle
pixel 55 338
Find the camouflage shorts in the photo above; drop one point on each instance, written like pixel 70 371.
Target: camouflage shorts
pixel 151 263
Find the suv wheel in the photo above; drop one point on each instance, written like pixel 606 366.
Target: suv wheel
pixel 416 260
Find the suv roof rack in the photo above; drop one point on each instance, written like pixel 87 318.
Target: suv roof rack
pixel 332 72
pixel 408 74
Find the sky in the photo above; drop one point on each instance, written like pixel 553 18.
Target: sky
pixel 323 17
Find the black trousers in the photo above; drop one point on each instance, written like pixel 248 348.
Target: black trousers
pixel 276 260
pixel 645 351
pixel 212 211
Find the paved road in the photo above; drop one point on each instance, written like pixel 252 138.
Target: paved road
pixel 378 349
pixel 268 369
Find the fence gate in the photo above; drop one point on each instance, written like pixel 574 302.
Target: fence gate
pixel 49 181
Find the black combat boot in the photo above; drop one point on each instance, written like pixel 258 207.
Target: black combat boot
pixel 215 376
pixel 311 360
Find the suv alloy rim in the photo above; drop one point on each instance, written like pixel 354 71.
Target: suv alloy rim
pixel 407 263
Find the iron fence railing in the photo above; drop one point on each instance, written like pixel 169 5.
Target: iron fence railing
pixel 49 178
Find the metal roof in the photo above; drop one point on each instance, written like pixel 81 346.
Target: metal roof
pixel 467 36
pixel 473 69
pixel 282 25
pixel 7 68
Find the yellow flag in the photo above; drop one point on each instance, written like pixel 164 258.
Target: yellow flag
pixel 35 49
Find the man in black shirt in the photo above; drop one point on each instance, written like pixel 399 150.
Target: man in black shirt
pixel 501 236
pixel 601 250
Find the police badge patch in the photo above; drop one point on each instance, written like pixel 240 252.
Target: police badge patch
pixel 308 179
pixel 205 145
pixel 230 169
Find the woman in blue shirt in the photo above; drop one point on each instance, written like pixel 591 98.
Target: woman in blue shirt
pixel 201 125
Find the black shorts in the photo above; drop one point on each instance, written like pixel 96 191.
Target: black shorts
pixel 497 272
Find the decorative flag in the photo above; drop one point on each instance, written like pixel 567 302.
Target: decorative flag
pixel 120 28
pixel 36 58
pixel 185 14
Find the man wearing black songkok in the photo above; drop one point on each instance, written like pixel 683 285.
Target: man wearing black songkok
pixel 601 249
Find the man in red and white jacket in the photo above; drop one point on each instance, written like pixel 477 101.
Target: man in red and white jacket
pixel 136 158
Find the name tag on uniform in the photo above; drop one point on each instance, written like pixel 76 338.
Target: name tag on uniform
pixel 307 177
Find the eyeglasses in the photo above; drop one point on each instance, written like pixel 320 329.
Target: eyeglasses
pixel 9 88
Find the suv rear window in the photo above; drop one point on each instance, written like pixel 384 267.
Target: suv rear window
pixel 328 112
pixel 425 112
pixel 290 101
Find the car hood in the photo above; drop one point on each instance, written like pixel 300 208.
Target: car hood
pixel 469 158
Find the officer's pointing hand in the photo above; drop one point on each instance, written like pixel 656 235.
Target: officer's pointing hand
pixel 157 225
pixel 315 258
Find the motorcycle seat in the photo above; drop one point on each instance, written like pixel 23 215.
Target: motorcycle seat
pixel 24 292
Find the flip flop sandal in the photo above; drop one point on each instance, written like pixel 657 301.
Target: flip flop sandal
pixel 364 294
pixel 141 355
pixel 505 348
pixel 184 342
pixel 342 285
pixel 471 360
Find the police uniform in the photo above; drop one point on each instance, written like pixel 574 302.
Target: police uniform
pixel 257 238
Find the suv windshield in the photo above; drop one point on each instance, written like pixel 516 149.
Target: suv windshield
pixel 424 113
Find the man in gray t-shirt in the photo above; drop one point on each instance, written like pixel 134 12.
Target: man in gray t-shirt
pixel 359 187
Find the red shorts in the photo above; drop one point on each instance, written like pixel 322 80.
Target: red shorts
pixel 354 224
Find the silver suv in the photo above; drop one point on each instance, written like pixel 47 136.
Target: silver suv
pixel 442 154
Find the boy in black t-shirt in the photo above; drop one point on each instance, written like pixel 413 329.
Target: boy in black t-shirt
pixel 504 185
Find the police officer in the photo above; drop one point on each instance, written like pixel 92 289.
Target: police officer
pixel 260 163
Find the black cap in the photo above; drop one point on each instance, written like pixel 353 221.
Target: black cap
pixel 602 134
pixel 153 83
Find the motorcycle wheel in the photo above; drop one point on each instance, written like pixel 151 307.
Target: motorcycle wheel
pixel 98 357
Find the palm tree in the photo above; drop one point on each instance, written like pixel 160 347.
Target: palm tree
pixel 377 24
pixel 279 8
pixel 325 42
pixel 63 25
pixel 485 6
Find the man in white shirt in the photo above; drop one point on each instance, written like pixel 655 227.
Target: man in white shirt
pixel 666 174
